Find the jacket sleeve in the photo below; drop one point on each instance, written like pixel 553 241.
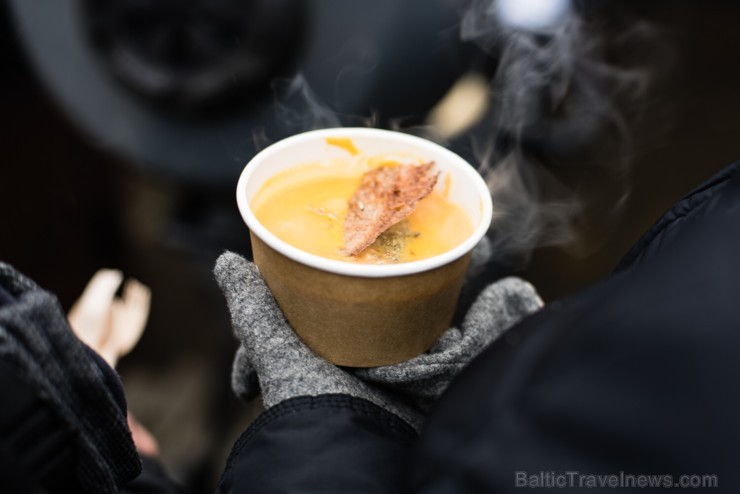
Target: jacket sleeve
pixel 634 376
pixel 81 409
pixel 324 444
pixel 633 381
pixel 153 479
pixel 36 448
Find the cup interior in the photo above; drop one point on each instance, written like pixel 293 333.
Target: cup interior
pixel 464 187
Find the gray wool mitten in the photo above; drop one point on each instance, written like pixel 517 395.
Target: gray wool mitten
pixel 423 379
pixel 269 348
pixel 272 357
pixel 450 346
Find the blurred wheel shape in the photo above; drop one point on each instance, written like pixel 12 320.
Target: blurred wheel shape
pixel 195 56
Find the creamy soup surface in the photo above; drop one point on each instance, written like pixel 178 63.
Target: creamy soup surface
pixel 306 205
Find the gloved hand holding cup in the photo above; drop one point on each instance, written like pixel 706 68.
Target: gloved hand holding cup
pixel 360 314
pixel 313 325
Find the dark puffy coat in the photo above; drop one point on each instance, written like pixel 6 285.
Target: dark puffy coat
pixel 637 375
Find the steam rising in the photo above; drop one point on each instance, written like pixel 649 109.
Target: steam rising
pixel 558 145
pixel 299 109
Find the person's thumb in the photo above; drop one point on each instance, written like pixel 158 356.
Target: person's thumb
pixel 250 301
pixel 230 271
pixel 255 316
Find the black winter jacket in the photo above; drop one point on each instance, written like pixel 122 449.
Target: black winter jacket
pixel 632 385
pixel 629 386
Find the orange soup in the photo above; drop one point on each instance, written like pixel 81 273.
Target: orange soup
pixel 305 206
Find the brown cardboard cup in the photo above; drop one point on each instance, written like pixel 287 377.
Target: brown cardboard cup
pixel 363 315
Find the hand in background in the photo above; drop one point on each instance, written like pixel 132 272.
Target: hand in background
pixel 108 324
pixel 112 326
pixel 145 442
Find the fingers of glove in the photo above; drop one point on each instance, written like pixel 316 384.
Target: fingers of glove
pixel 244 380
pixel 425 377
pixel 416 384
pixel 314 376
pixel 256 318
pixel 250 302
pixel 498 307
pixel 285 366
pixel 418 368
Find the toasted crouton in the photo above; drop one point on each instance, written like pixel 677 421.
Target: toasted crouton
pixel 386 195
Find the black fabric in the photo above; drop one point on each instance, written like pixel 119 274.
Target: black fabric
pixel 702 202
pixel 5 297
pixel 81 403
pixel 112 382
pixel 14 478
pixel 36 449
pixel 325 444
pixel 637 375
pixel 152 480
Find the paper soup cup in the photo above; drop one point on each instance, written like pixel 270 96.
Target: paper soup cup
pixel 364 315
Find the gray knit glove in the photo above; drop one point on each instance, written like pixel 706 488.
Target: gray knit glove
pixel 273 358
pixel 424 378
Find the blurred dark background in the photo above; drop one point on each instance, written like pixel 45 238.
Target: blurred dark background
pixel 126 124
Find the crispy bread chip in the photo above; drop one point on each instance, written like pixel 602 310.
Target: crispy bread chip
pixel 386 195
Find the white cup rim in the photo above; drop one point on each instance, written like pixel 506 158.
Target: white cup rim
pixel 355 269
